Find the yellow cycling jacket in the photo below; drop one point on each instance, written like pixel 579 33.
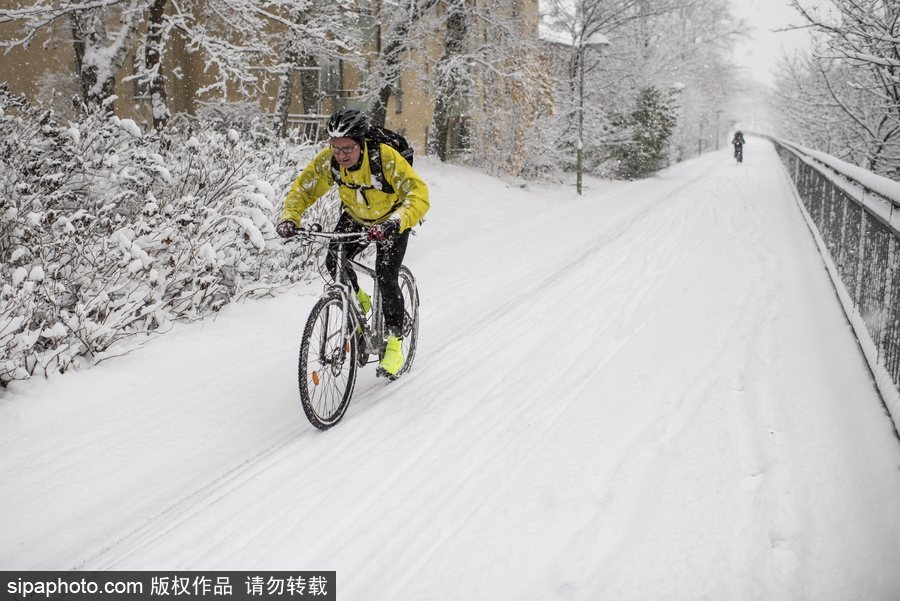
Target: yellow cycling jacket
pixel 367 206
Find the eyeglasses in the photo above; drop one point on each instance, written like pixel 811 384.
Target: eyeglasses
pixel 343 149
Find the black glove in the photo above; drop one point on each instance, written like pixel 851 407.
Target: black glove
pixel 286 229
pixel 383 231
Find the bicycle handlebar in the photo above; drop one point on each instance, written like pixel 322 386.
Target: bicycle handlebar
pixel 345 237
pixel 339 237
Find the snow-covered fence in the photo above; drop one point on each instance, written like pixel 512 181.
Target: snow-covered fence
pixel 106 233
pixel 854 215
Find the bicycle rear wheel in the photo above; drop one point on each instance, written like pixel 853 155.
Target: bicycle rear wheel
pixel 410 320
pixel 327 368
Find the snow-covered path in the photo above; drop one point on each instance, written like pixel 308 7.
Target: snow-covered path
pixel 649 392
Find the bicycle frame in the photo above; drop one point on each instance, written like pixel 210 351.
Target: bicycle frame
pixel 372 334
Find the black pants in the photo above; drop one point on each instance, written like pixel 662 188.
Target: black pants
pixel 388 259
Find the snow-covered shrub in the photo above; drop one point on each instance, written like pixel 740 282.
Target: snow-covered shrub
pixel 106 232
pixel 244 119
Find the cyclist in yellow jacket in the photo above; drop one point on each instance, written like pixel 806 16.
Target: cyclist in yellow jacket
pixel 368 204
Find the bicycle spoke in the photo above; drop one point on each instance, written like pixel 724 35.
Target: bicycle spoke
pixel 327 364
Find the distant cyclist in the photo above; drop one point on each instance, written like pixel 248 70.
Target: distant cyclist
pixel 367 206
pixel 738 142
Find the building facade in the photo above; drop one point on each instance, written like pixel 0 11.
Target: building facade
pixel 45 71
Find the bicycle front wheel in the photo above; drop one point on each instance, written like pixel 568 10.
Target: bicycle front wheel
pixel 327 369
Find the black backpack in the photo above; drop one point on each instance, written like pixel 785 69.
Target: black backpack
pixel 374 139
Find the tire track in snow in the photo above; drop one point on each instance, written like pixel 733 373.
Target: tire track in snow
pixel 495 325
pixel 756 421
pixel 183 510
pixel 622 325
pixel 500 320
pixel 621 231
pixel 365 404
pixel 637 470
pixel 749 421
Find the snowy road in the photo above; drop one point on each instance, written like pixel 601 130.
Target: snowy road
pixel 649 392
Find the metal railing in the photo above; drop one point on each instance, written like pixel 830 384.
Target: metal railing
pixel 308 127
pixel 855 218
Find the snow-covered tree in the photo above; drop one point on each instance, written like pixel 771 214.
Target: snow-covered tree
pixel 515 91
pixel 651 123
pixel 154 49
pixel 453 77
pixel 848 91
pixel 243 42
pixel 320 31
pixel 681 49
pixel 819 106
pixel 399 29
pixel 864 34
pixel 490 84
pixel 239 41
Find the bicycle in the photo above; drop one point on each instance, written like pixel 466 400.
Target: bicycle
pixel 739 153
pixel 339 337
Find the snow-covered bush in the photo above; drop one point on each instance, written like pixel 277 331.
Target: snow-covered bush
pixel 243 117
pixel 106 233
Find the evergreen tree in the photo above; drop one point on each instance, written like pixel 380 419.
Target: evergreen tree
pixel 651 123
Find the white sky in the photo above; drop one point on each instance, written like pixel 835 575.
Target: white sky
pixel 761 52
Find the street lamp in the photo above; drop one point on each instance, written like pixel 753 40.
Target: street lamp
pixel 596 40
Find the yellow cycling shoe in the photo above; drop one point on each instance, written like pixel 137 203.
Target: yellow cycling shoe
pixel 392 360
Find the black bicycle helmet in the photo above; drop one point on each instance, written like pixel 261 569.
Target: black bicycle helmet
pixel 348 123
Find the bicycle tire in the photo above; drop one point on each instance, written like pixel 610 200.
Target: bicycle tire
pixel 410 321
pixel 327 367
